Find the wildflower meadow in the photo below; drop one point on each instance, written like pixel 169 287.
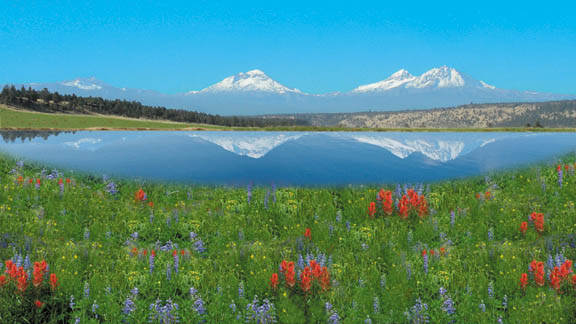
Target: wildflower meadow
pixel 92 249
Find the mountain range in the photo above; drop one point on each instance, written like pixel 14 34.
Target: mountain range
pixel 255 93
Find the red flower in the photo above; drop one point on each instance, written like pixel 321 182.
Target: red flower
pixel 386 198
pixel 20 179
pixel 287 268
pixel 38 182
pixel 372 209
pixel 60 181
pixel 274 280
pixel 403 207
pixel 68 180
pixel 523 227
pixel 140 195
pixel 135 251
pixel 38 273
pixel 308 233
pixel 432 252
pixel 424 253
pixel 524 280
pixel 566 167
pixel 3 281
pixel 182 252
pixel 538 219
pixel 38 303
pixel 487 194
pixel 555 278
pixel 537 267
pixel 306 279
pixel 566 269
pixel 559 167
pixel 574 280
pixel 477 196
pixel 53 281
pixel 22 281
pixel 31 181
pixel 442 251
pixel 153 253
pixel 151 204
pixel 144 252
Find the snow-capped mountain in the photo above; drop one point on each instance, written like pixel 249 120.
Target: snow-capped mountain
pixel 255 93
pixel 254 80
pixel 442 77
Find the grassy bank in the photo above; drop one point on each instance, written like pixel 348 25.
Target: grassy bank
pixel 28 120
pixel 216 250
pixel 16 119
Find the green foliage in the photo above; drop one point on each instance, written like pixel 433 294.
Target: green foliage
pixel 84 233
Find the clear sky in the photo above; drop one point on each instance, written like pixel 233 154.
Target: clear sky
pixel 175 46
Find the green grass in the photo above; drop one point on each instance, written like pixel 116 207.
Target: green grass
pixel 84 234
pixel 19 119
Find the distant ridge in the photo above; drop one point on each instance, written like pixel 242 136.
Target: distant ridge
pixel 254 92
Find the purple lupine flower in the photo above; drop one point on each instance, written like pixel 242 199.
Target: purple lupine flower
pixel 176 215
pixel 408 271
pixel 490 234
pixel 111 188
pixel 77 321
pixel 199 306
pixel 339 216
pixel 193 236
pixel 500 321
pixel 331 229
pixel 348 225
pixel 505 302
pixel 176 262
pixel 442 291
pixel 94 308
pixel 559 259
pixel 199 246
pixel 168 272
pixel 164 314
pixel 448 306
pixel 167 247
pixel 86 290
pixel 263 313
pixel 560 177
pixel 129 307
pixel 241 289
pixel 482 306
pixel 383 281
pixel 491 289
pixel 232 307
pixel 108 290
pixel 151 262
pixel 418 313
pixel 20 164
pixel 452 218
pixel 27 262
pixel 72 303
pixel 409 237
pixel 376 305
pixel 425 257
pixel 334 318
pixel 168 220
pixel 364 246
pixel 550 262
pixel 134 292
pixel 367 320
pixel 86 234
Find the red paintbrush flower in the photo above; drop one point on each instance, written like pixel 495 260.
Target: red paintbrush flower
pixel 151 204
pixel 524 280
pixel 135 251
pixel 60 181
pixel 442 251
pixel 287 268
pixel 274 280
pixel 424 253
pixel 68 180
pixel 140 195
pixel 306 279
pixel 308 233
pixel 53 281
pixel 3 281
pixel 38 304
pixel 387 204
pixel 372 209
pixel 523 227
pixel 22 281
pixel 38 273
pixel 538 219
pixel 537 267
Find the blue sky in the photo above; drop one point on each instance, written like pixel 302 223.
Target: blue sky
pixel 321 47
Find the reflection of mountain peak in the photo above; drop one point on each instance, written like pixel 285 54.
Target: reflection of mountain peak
pixel 251 145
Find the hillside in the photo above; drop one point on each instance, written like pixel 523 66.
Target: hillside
pixel 551 114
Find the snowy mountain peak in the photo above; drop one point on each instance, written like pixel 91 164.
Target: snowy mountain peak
pixel 442 77
pixel 251 81
pixel 397 79
pixel 85 83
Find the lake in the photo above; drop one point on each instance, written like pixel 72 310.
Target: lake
pixel 286 158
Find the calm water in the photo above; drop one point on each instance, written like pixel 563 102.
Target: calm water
pixel 298 158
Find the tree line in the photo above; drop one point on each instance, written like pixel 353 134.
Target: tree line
pixel 51 102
